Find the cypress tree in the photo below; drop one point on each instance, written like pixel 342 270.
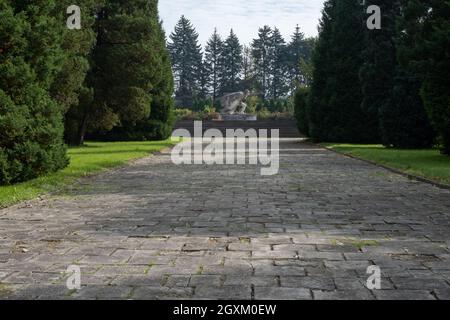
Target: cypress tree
pixel 31 128
pixel 318 108
pixel 432 60
pixel 393 87
pixel 349 123
pixel 132 73
pixel 378 71
pixel 70 87
pixel 159 125
pixel 336 95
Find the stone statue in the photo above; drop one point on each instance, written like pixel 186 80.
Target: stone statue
pixel 233 103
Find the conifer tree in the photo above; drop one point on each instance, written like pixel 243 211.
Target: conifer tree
pixel 231 64
pixel 377 73
pixel 336 95
pixel 159 125
pixel 278 65
pixel 249 81
pixel 297 50
pixel 318 107
pixel 425 49
pixel 31 127
pixel 213 63
pixel 261 52
pixel 132 74
pixel 70 87
pixel 186 57
pixel 391 90
pixel 349 122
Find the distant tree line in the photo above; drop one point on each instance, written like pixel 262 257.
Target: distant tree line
pixel 110 79
pixel 269 66
pixel 387 86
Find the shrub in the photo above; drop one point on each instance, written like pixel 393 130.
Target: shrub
pixel 183 114
pixel 31 126
pixel 264 113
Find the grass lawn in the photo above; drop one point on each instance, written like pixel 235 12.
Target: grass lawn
pixel 428 163
pixel 94 157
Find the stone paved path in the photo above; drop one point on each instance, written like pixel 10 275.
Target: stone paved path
pixel 154 230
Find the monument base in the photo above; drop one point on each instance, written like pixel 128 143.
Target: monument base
pixel 238 117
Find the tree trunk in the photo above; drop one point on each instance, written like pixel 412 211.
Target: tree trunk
pixel 82 130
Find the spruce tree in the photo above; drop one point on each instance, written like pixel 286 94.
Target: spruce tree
pixel 297 50
pixel 203 80
pixel 186 57
pixel 248 67
pixel 261 52
pixel 249 81
pixel 31 128
pixel 213 63
pixel 278 65
pixel 231 64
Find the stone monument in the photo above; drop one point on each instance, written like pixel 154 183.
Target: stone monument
pixel 233 107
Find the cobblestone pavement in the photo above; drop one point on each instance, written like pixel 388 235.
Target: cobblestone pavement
pixel 154 230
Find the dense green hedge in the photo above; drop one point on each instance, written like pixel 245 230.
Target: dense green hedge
pixel 388 85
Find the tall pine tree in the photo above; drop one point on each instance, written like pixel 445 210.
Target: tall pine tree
pixel 297 50
pixel 213 63
pixel 261 55
pixel 186 57
pixel 278 65
pixel 231 64
pixel 249 81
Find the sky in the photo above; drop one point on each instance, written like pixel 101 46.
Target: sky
pixel 244 16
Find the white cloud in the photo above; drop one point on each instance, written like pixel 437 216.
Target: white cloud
pixel 245 17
